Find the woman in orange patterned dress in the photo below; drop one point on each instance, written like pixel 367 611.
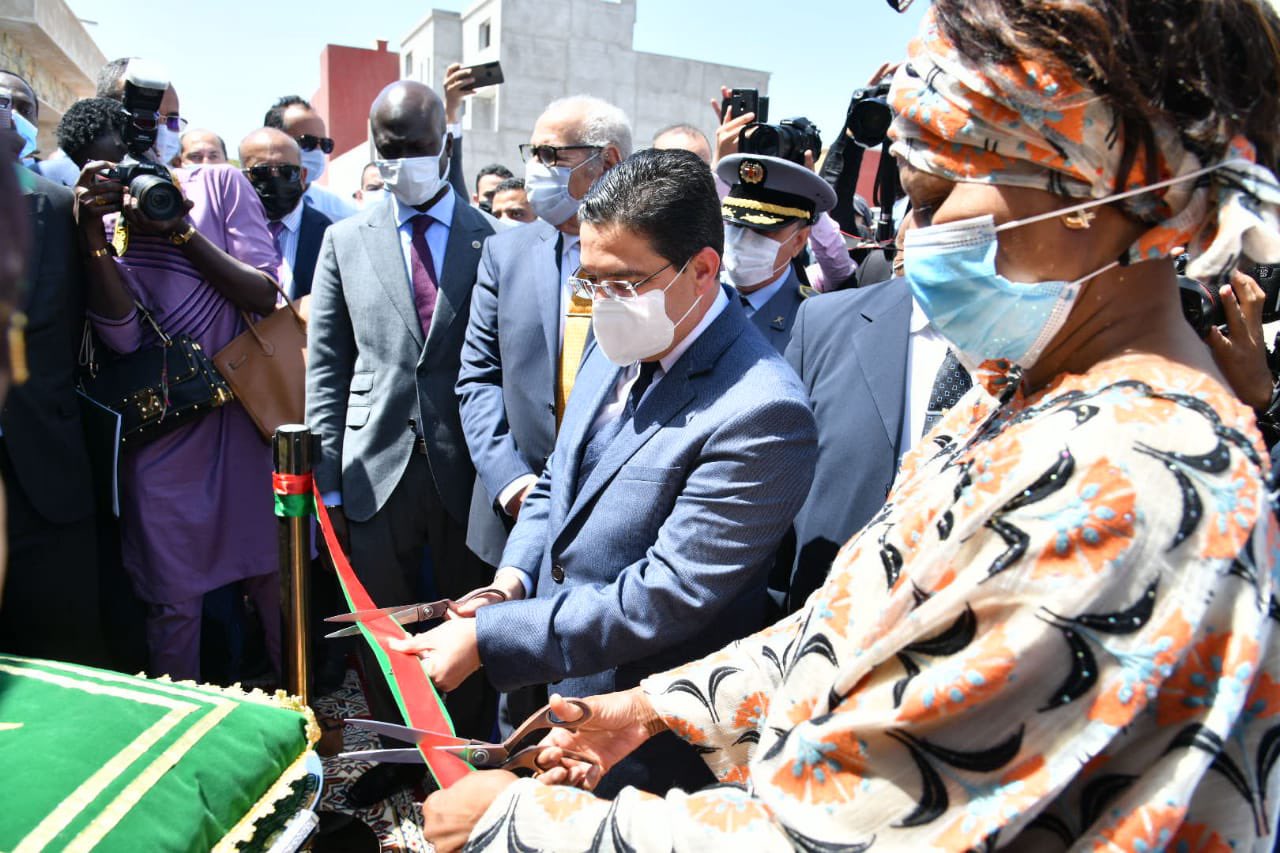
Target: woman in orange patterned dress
pixel 1062 630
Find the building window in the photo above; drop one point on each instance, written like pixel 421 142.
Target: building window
pixel 485 35
pixel 408 64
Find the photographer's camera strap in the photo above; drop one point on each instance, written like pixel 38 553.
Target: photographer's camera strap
pixel 419 703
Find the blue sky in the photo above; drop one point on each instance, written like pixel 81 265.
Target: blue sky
pixel 230 59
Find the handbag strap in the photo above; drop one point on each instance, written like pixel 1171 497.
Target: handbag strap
pixel 267 347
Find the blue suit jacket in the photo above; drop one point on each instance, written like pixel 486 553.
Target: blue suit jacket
pixel 662 555
pixel 507 381
pixel 850 350
pixel 310 236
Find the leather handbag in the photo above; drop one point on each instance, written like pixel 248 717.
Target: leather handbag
pixel 157 389
pixel 266 367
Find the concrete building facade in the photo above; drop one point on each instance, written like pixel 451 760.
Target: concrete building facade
pixel 550 49
pixel 44 41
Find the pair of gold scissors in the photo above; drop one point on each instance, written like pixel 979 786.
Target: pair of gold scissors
pixel 477 753
pixel 407 614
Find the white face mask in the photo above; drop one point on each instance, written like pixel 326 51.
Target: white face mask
pixel 368 198
pixel 413 180
pixel 750 258
pixel 548 190
pixel 314 162
pixel 629 330
pixel 167 145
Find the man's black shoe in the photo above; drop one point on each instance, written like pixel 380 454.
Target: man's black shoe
pixel 381 781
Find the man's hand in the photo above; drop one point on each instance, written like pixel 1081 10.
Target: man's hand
pixel 620 722
pixel 517 500
pixel 449 652
pixel 457 85
pixel 730 127
pixel 1241 354
pixel 96 198
pixel 449 815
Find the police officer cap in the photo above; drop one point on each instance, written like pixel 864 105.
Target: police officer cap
pixel 767 193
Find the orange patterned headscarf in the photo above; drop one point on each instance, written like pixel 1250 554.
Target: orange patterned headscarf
pixel 1030 125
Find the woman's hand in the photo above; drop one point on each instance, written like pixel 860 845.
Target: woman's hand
pixel 1241 354
pixel 620 722
pixel 449 815
pixel 96 197
pixel 156 227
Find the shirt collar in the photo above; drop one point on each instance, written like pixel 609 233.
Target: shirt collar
pixel 717 305
pixel 919 319
pixel 292 220
pixel 441 211
pixel 759 297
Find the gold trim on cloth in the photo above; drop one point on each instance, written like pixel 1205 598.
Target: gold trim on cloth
pixel 243 831
pixel 766 207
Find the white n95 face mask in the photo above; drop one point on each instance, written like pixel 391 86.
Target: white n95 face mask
pixel 548 190
pixel 749 258
pixel 629 330
pixel 167 145
pixel 413 180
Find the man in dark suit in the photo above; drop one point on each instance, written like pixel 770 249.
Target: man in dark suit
pixel 768 213
pixel 272 161
pixel 686 448
pixel 527 333
pixel 390 298
pixel 51 601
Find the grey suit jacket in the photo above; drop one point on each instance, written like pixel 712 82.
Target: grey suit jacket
pixel 776 318
pixel 372 380
pixel 507 382
pixel 661 556
pixel 850 350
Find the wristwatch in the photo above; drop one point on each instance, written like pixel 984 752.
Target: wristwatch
pixel 180 238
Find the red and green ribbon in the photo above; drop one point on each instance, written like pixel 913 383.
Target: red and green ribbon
pixel 414 693
pixel 293 495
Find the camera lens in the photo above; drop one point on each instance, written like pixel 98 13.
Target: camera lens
pixel 157 198
pixel 869 122
pixel 760 139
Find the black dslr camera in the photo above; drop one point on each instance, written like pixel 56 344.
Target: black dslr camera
pixel 788 139
pixel 869 116
pixel 148 182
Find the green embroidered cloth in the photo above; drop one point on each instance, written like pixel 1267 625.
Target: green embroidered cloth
pixel 97 760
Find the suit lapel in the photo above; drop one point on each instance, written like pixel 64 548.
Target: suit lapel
pixel 38 204
pixel 382 242
pixel 882 355
pixel 458 274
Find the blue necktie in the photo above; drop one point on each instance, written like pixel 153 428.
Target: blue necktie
pixel 599 443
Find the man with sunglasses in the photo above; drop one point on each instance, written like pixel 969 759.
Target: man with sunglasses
pixel 295 116
pixel 272 162
pixel 685 451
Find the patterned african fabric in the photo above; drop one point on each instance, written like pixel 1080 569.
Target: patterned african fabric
pixel 1059 632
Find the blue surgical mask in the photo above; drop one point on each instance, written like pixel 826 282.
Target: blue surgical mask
pixel 27 131
pixel 951 269
pixel 314 162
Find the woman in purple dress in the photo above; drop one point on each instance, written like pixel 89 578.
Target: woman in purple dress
pixel 196 502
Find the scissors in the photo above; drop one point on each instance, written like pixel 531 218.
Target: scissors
pixel 407 614
pixel 475 752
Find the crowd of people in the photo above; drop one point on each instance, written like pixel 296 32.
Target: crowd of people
pixel 974 552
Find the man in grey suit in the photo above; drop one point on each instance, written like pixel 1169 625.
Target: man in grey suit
pixel 768 213
pixel 515 377
pixel 685 451
pixel 390 297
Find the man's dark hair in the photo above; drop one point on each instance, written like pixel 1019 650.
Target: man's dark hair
pixel 85 121
pixel 668 196
pixel 111 79
pixel 509 184
pixel 275 115
pixel 492 169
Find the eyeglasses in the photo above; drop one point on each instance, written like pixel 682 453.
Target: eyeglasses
pixel 264 171
pixel 172 121
pixel 549 155
pixel 620 290
pixel 307 142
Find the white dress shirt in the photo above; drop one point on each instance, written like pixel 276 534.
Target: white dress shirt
pixel 617 401
pixel 760 297
pixel 926 350
pixel 287 246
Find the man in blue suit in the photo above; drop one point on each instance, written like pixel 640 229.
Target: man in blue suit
pixel 685 451
pixel 272 161
pixel 768 214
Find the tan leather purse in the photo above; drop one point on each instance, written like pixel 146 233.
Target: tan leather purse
pixel 266 367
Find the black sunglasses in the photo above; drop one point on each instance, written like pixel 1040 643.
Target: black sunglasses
pixel 264 171
pixel 307 142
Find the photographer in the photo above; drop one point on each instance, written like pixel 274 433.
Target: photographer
pixel 194 513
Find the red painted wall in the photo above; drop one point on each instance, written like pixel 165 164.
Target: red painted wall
pixel 350 78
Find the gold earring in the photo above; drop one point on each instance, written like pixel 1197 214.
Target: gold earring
pixel 1081 220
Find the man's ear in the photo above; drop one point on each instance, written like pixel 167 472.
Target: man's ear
pixel 611 157
pixel 706 268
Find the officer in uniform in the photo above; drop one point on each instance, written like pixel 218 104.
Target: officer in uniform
pixel 771 206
